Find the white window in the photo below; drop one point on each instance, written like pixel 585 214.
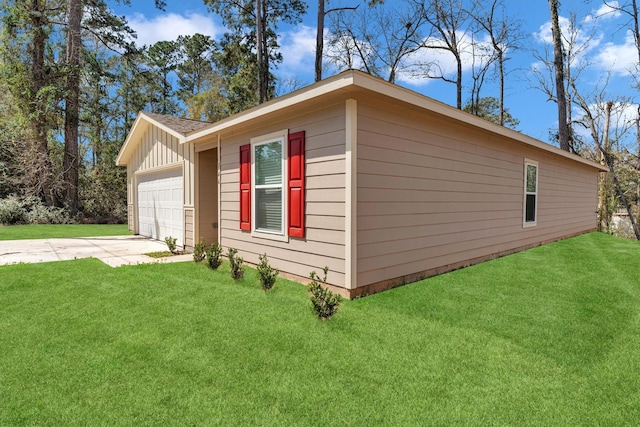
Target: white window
pixel 268 175
pixel 530 193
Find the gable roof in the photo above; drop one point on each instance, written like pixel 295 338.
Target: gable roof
pixel 176 126
pixel 354 82
pixel 349 83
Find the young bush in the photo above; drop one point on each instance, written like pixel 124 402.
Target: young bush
pixel 325 303
pixel 267 273
pixel 199 250
pixel 12 211
pixel 237 270
pixel 171 244
pixel 39 213
pixel 213 256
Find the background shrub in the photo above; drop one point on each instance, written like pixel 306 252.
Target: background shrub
pixel 12 211
pixel 30 210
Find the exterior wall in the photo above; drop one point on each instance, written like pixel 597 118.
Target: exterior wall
pixel 208 195
pixel 159 150
pixel 433 194
pixel 324 244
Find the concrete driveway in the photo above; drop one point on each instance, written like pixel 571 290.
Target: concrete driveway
pixel 114 251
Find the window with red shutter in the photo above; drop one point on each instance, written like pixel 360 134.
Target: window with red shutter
pixel 295 184
pixel 245 187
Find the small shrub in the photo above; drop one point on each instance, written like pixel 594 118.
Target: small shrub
pixel 199 250
pixel 237 270
pixel 12 211
pixel 213 256
pixel 31 210
pixel 267 273
pixel 325 303
pixel 171 244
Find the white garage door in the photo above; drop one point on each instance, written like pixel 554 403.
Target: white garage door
pixel 160 205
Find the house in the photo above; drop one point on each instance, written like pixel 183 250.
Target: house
pixel 381 184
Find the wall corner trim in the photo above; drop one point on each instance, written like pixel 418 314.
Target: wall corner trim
pixel 351 189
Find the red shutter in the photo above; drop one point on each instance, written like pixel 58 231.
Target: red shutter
pixel 295 184
pixel 245 187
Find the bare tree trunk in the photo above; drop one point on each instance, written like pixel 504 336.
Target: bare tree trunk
pixel 72 105
pixel 319 40
pixel 563 131
pixel 262 82
pixel 604 215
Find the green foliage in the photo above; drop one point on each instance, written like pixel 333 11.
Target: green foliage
pixel 171 244
pixel 199 250
pixel 235 263
pixel 325 303
pixel 213 256
pixel 489 109
pixel 267 273
pixel 30 210
pixel 12 211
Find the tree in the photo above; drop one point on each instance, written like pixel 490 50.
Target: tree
pixel 252 25
pixel 322 13
pixel 30 73
pixel 449 21
pixel 489 109
pixel 162 59
pixel 378 40
pixel 558 62
pixel 72 106
pixel 505 35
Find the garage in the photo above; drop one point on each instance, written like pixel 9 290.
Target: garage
pixel 160 205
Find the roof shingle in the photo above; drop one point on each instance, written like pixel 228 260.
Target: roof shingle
pixel 178 124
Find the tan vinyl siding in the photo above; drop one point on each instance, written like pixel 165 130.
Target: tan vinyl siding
pixel 208 195
pixel 432 193
pixel 160 150
pixel 324 244
pixel 189 215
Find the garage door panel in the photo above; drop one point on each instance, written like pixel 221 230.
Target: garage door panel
pixel 160 205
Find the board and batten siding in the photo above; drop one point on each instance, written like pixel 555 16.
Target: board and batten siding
pixel 324 242
pixel 432 194
pixel 158 151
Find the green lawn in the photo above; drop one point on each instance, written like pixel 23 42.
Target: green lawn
pixel 23 232
pixel 550 336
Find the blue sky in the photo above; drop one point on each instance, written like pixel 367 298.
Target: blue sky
pixel 609 52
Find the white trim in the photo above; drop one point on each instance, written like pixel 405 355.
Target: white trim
pixel 280 136
pixel 162 168
pixel 351 196
pixel 219 193
pixel 525 223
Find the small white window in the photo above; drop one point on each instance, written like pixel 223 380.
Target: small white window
pixel 268 175
pixel 530 193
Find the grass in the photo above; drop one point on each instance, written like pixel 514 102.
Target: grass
pixel 549 336
pixel 24 232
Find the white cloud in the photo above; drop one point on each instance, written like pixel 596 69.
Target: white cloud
pixel 604 12
pixel 170 26
pixel 619 58
pixel 298 48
